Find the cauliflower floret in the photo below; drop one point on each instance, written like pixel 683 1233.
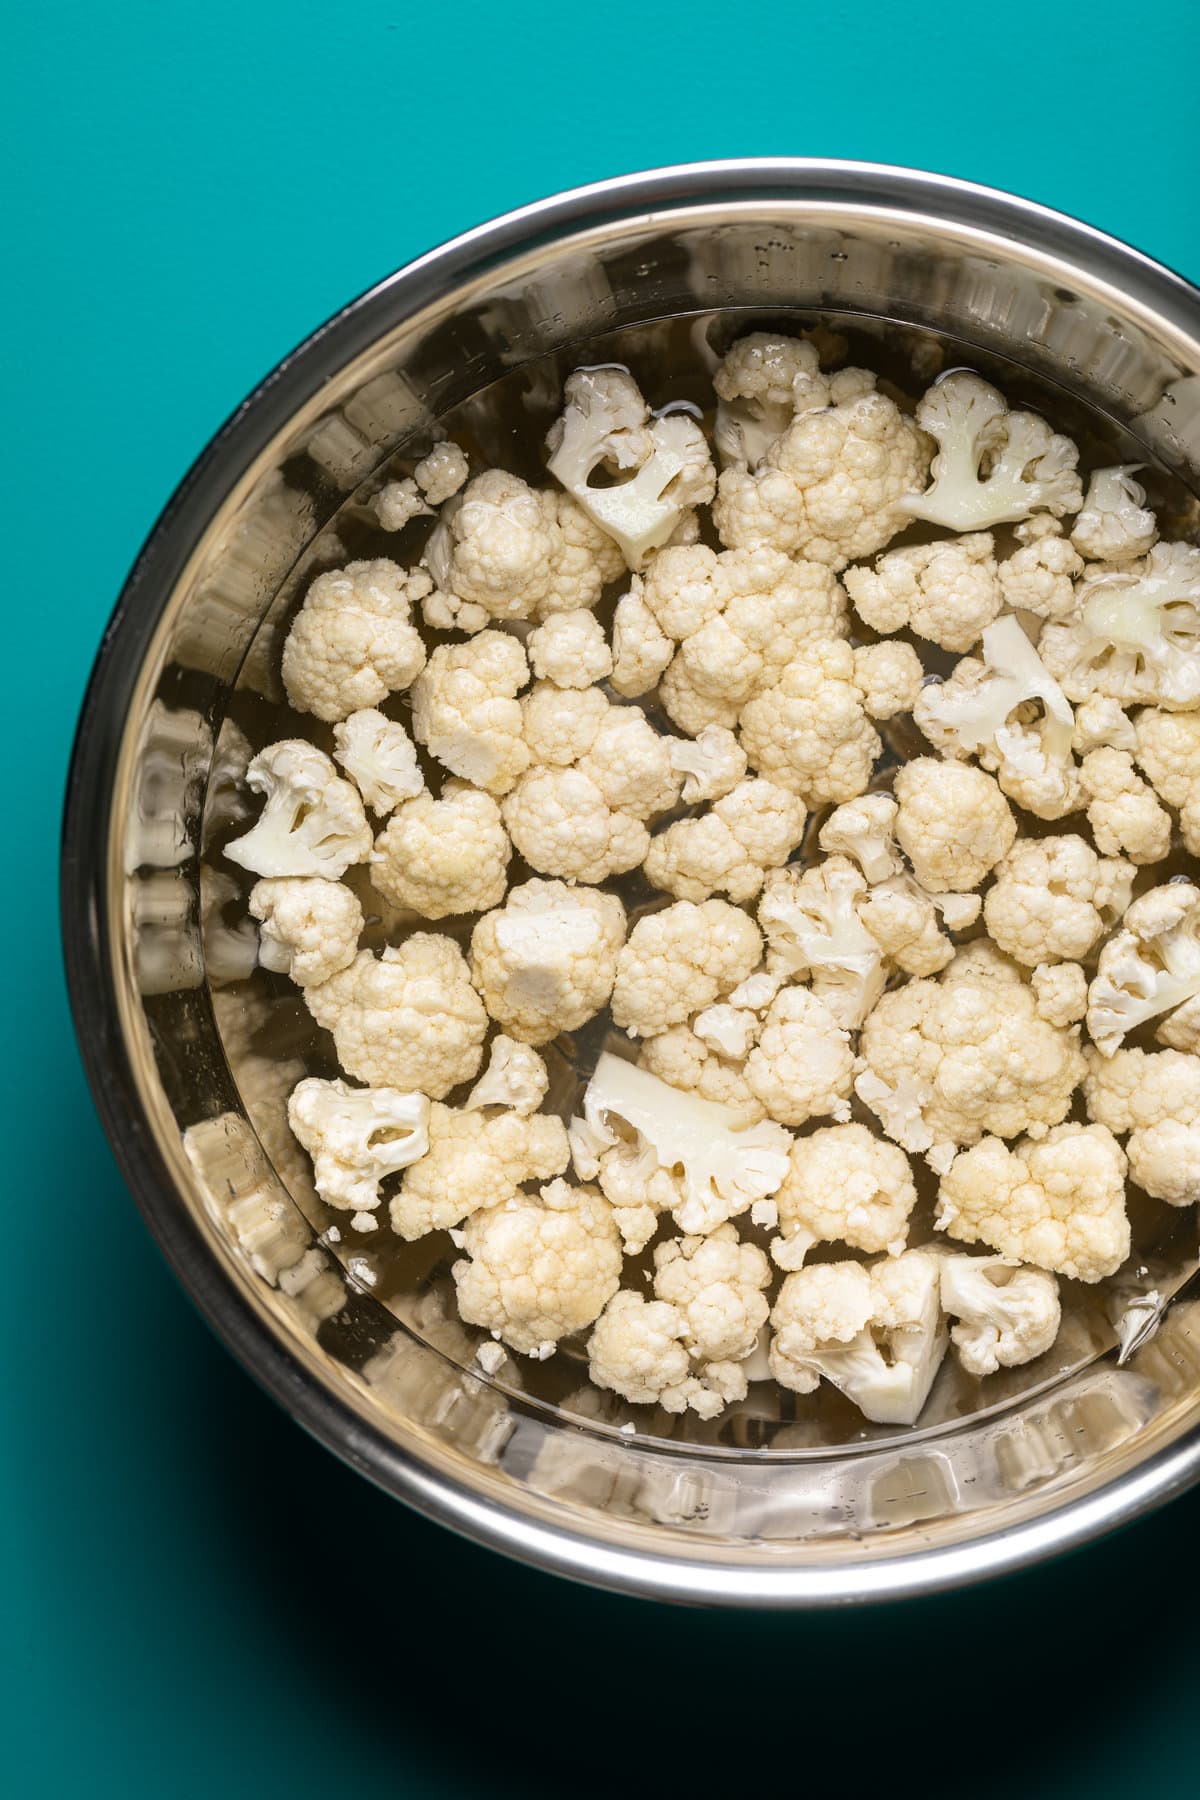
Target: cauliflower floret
pixel 442 472
pixel 1123 810
pixel 545 963
pixel 946 592
pixel 1009 1315
pixel 665 462
pixel 443 856
pixel 1101 723
pixel 1058 1203
pixel 310 927
pixel 696 1065
pixel 1150 966
pixel 639 1350
pixel 890 675
pixel 515 1077
pixel 1181 1029
pixel 992 466
pixel 475 1159
pixel 945 1061
pixel 711 764
pixel 466 713
pixel 562 724
pixel 810 732
pixel 585 559
pixel 1061 992
pixel 631 764
pixel 762 383
pixel 398 502
pixel 1114 525
pixel 1040 577
pixel 1136 633
pixel 729 1030
pixel 680 960
pixel 903 920
pixel 802 1066
pixel 1155 1096
pixel 813 930
pixel 313 822
pixel 1053 899
pixel 562 825
pixel 539 1268
pixel 865 830
pixel 717 1283
pixel 356 1136
pixel 843 1185
pixel 641 648
pixel 408 1018
pixel 876 1332
pixel 570 649
pixel 380 758
pixel 729 848
pixel 352 642
pixel 830 487
pixel 953 822
pixel 1167 745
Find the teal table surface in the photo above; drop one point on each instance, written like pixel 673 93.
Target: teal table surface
pixel 196 1599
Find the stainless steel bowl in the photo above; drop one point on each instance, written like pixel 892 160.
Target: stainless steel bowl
pixel 151 777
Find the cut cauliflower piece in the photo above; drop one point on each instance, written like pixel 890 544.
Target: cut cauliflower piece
pixel 992 466
pixel 802 1066
pixel 810 732
pixel 1053 899
pixel 1040 576
pixel 875 1331
pixel 1154 1095
pixel 1123 810
pixel 1167 745
pixel 728 849
pixel 716 1166
pixel 408 1018
pixel 310 927
pixel 1061 992
pixel 891 677
pixel 562 724
pixel 843 1185
pixel 813 931
pixel 1149 967
pixel 1114 525
pixel 353 642
pixel 631 764
pixel 444 856
pixel 680 960
pixel 904 922
pixel 1135 635
pixel 563 826
pixel 440 474
pixel 1180 1030
pixel 606 424
pixel 1058 1203
pixel 697 1064
pixel 943 1062
pixel 639 1350
pixel 1007 1315
pixel 570 649
pixel 466 712
pixel 711 764
pixel 717 1283
pixel 398 502
pixel 641 648
pixel 539 1267
pixel 829 489
pixel 356 1136
pixel 515 1077
pixel 762 383
pixel 865 830
pixel 729 1030
pixel 380 758
pixel 475 1159
pixel 945 592
pixel 545 962
pixel 953 823
pixel 313 822
pixel 1101 723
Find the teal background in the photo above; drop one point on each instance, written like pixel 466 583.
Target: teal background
pixel 195 1598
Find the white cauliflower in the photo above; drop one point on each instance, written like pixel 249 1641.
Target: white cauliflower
pixel 728 849
pixel 875 1331
pixel 562 724
pixel 811 923
pixel 545 962
pixel 310 927
pixel 443 856
pixel 408 1018
pixel 1114 525
pixel 711 764
pixel 762 382
pixel 717 1283
pixel 680 960
pixel 1154 1095
pixel 440 474
pixel 890 676
pixel 905 923
pixel 953 823
pixel 466 713
pixel 631 764
pixel 399 501
pixel 1167 745
pixel 659 467
pixel 356 1136
pixel 829 489
pixel 352 642
pixel 843 1185
pixel 1007 1315
pixel 697 1061
pixel 943 1062
pixel 945 592
pixel 1123 810
pixel 1039 577
pixel 1135 635
pixel 313 822
pixel 1053 899
pixel 570 649
pixel 562 825
pixel 639 1349
pixel 865 830
pixel 1060 991
pixel 1058 1203
pixel 1101 722
pixel 992 466
pixel 475 1159
pixel 810 732
pixel 516 1077
pixel 641 648
pixel 380 758
pixel 802 1066
pixel 1149 967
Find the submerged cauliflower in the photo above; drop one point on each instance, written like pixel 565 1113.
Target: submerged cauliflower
pixel 953 823
pixel 477 1158
pixel 680 960
pixel 1135 633
pixel 408 1018
pixel 310 927
pixel 811 732
pixel 992 465
pixel 545 962
pixel 443 856
pixel 1154 1095
pixel 728 850
pixel 1167 745
pixel 843 1185
pixel 466 713
pixel 1053 899
pixel 1007 1315
pixel 1149 967
pixel 353 642
pixel 945 592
